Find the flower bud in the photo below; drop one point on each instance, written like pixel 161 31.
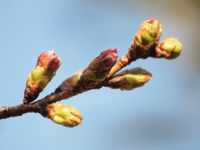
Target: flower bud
pixel 148 33
pixel 99 68
pixel 170 48
pixel 47 64
pixel 65 115
pixel 49 61
pixel 129 79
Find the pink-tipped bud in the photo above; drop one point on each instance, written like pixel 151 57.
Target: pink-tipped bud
pixel 49 60
pixel 47 64
pixel 99 68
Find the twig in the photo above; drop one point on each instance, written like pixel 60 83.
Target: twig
pixel 100 72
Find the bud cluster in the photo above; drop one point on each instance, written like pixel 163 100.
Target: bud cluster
pixel 100 72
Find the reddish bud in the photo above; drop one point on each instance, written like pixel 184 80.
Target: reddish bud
pixel 101 65
pixel 49 60
pixel 47 64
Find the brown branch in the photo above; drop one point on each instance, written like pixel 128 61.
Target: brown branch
pixel 38 106
pixel 143 46
pixel 13 111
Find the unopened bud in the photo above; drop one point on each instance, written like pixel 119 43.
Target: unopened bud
pixel 99 68
pixel 47 64
pixel 49 61
pixel 170 48
pixel 148 33
pixel 65 115
pixel 129 79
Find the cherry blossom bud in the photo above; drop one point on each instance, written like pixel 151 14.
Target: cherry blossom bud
pixel 129 79
pixel 99 68
pixel 148 33
pixel 170 48
pixel 47 64
pixel 50 61
pixel 65 115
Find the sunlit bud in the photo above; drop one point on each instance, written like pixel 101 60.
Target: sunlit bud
pixel 99 68
pixel 47 64
pixel 129 79
pixel 50 61
pixel 148 33
pixel 170 48
pixel 65 115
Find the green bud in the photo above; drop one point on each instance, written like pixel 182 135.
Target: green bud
pixel 37 73
pixel 129 79
pixel 135 81
pixel 65 115
pixel 170 48
pixel 148 33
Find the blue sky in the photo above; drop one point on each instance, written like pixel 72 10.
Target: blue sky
pixel 163 114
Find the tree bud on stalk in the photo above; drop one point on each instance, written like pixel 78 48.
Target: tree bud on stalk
pixel 47 64
pixel 170 48
pixel 99 68
pixel 148 34
pixel 65 115
pixel 145 39
pixel 129 79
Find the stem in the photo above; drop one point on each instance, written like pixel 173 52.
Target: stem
pixel 37 107
pixel 13 111
pixel 134 53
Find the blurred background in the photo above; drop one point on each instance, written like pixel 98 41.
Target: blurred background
pixel 162 115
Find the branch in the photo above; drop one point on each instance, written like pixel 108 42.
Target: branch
pixel 99 73
pixel 38 106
